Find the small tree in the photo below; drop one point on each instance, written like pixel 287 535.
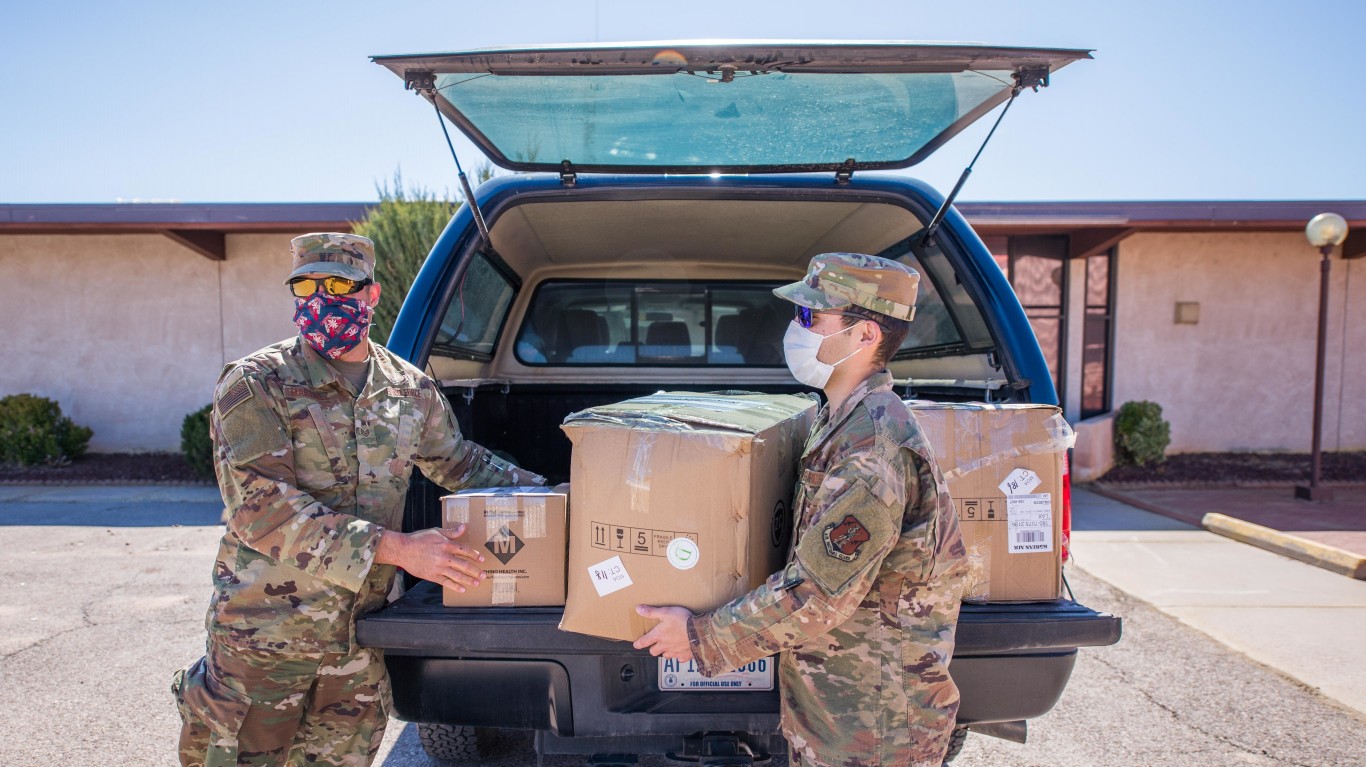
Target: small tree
pixel 405 225
pixel 1141 434
pixel 33 431
pixel 195 442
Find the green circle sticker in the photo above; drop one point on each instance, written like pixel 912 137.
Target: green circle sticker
pixel 683 553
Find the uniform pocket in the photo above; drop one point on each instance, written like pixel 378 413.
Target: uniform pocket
pixel 318 462
pixel 215 708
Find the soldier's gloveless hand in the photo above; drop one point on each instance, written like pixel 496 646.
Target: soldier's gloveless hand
pixel 433 555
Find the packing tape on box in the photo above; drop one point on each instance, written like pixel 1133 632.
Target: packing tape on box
pixel 500 510
pixel 533 516
pixel 504 588
pixel 638 473
pixel 1060 438
pixel 976 581
pixel 459 510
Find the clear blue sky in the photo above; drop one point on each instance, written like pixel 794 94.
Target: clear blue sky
pixel 277 101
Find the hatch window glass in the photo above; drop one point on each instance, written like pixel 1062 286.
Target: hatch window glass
pixel 586 322
pixel 693 120
pixel 477 311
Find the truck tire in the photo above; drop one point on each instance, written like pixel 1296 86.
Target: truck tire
pixel 956 742
pixel 449 743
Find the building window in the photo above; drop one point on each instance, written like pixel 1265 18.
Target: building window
pixel 1096 335
pixel 1035 266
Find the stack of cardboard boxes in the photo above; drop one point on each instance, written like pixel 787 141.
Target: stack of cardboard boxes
pixel 685 499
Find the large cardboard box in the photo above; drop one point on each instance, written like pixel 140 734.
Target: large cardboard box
pixel 681 499
pixel 521 531
pixel 1004 465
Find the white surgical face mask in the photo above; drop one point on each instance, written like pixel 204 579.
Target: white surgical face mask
pixel 800 346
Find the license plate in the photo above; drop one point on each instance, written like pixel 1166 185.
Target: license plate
pixel 684 676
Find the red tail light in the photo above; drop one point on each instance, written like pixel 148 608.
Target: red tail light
pixel 1066 508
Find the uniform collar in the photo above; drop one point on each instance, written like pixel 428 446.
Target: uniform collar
pixel 874 382
pixel 383 372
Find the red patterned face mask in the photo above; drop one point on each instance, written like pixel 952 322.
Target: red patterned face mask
pixel 332 325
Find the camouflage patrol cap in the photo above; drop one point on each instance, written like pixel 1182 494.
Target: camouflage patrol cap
pixel 839 280
pixel 344 255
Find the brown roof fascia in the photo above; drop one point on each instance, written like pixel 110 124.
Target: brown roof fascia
pixel 1167 216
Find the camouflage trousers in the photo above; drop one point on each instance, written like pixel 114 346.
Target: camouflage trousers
pixel 240 707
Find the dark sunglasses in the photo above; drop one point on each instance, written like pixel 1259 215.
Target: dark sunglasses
pixel 303 287
pixel 805 315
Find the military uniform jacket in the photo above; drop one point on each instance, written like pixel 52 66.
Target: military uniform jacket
pixel 866 608
pixel 311 471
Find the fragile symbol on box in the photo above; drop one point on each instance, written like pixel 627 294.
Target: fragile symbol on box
pixel 609 576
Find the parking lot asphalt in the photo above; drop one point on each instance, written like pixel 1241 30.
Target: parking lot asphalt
pixel 1302 620
pixel 103 592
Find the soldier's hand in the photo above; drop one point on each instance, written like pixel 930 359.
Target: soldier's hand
pixel 433 555
pixel 670 636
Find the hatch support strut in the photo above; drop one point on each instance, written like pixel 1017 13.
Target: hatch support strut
pixel 1026 77
pixel 425 83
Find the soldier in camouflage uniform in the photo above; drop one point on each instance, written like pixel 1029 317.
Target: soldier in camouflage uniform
pixel 316 439
pixel 865 611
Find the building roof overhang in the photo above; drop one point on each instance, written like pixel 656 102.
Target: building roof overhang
pixel 1093 226
pixel 201 227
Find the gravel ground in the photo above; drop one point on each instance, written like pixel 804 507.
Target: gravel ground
pixel 108 468
pixel 1234 468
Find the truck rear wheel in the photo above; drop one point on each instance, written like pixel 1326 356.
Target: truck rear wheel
pixel 449 743
pixel 956 743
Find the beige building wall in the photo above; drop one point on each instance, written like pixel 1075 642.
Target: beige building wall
pixel 1243 377
pixel 128 332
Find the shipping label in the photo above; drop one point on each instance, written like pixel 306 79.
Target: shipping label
pixel 1031 523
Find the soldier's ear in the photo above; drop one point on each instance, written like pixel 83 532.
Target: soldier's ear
pixel 374 293
pixel 870 334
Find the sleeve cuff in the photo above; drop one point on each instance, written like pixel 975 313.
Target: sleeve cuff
pixel 348 560
pixel 705 650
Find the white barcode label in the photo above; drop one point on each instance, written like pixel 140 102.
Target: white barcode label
pixel 1030 523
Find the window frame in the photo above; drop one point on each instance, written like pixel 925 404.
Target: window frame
pixel 709 286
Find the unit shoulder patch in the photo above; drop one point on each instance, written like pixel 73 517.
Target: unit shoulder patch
pixel 847 539
pixel 844 539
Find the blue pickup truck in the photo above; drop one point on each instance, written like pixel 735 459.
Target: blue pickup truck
pixel 663 191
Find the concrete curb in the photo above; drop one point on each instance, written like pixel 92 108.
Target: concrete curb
pixel 1317 554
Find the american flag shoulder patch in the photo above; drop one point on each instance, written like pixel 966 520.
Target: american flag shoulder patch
pixel 235 395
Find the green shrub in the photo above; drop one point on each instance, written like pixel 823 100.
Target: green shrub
pixel 33 431
pixel 195 442
pixel 1141 435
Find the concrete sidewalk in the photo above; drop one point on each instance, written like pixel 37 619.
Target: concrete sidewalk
pixel 1296 618
pixel 1328 534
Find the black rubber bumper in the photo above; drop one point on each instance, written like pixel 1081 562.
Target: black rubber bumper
pixel 513 667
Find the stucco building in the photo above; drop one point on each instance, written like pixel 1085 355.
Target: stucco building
pixel 125 313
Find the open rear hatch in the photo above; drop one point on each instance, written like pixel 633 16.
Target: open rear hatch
pixel 721 106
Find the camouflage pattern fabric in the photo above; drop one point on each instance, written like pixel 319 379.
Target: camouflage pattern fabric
pixel 865 611
pixel 246 708
pixel 311 472
pixel 839 280
pixel 345 255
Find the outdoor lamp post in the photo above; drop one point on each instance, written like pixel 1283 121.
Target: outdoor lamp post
pixel 1325 232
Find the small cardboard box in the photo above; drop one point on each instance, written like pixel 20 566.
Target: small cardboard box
pixel 1004 465
pixel 684 499
pixel 521 533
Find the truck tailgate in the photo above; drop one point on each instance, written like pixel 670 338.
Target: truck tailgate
pixel 418 624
